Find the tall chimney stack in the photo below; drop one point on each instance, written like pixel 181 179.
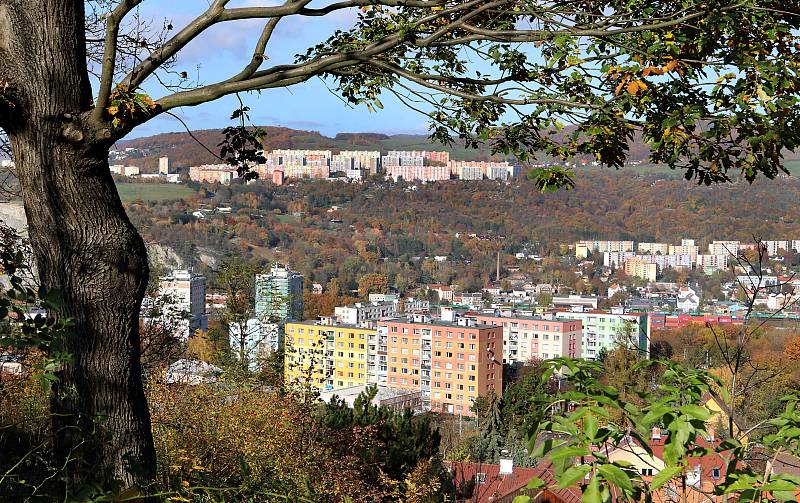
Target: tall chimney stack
pixel 497 277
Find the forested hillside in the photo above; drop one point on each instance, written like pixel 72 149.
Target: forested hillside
pixel 380 227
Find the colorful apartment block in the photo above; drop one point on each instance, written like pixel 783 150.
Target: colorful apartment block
pixel 604 329
pixel 640 268
pixel 476 170
pixel 332 356
pixel 213 173
pixel 533 337
pixel 664 321
pixel 653 248
pixel 451 363
pixel 584 248
pixel 421 173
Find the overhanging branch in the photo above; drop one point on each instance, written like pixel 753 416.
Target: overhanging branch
pixel 110 53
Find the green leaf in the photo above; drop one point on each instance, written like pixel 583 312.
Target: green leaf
pixel 616 476
pixel 590 426
pixel 591 493
pixel 573 475
pixel 696 411
pixel 665 475
pixel 522 499
pixel 779 485
pixel 568 452
pixel 536 483
pixel 784 495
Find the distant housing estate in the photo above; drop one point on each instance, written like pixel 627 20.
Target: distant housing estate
pixel 355 165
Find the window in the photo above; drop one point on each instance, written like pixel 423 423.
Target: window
pixel 480 478
pixel 647 472
pixel 715 473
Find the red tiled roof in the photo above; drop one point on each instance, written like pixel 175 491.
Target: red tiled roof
pixel 496 486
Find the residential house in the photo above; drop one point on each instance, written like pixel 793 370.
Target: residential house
pixel 688 300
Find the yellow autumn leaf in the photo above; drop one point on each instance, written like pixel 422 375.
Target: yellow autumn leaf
pixel 113 110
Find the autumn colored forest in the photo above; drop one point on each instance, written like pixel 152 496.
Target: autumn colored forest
pixel 339 230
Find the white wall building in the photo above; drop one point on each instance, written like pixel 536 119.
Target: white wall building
pixel 688 300
pixel 365 314
pixel 730 248
pixel 186 293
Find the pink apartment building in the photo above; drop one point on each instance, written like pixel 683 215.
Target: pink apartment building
pixel 533 337
pixel 422 173
pixel 212 173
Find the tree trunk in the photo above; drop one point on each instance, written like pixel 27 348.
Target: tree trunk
pixel 89 255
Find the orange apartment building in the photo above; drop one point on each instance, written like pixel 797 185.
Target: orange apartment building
pixel 451 363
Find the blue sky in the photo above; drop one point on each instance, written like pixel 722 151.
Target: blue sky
pixel 225 48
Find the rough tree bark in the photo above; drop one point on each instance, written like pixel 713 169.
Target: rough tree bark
pixel 88 253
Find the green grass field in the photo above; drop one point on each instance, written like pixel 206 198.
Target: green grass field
pixel 287 219
pixel 152 191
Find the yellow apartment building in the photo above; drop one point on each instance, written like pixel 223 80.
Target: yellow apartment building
pixel 332 355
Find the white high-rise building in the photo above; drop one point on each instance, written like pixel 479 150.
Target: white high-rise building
pixel 163 166
pixel 774 246
pixel 185 295
pixel 730 248
pixel 365 314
